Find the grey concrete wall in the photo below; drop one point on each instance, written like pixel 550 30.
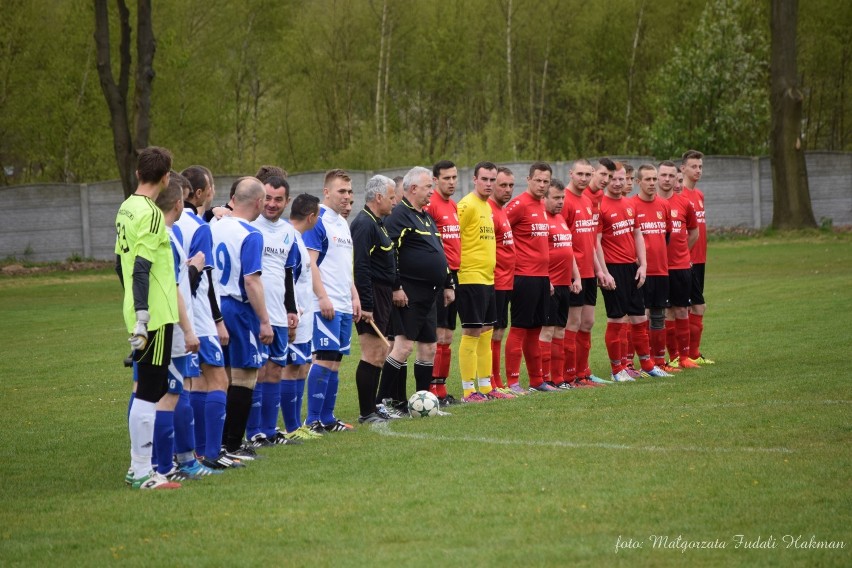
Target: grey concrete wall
pixel 45 222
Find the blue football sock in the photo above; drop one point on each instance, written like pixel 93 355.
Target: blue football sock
pixel 164 440
pixel 214 412
pixel 317 385
pixel 184 430
pixel 289 398
pixel 300 396
pixel 253 427
pixel 269 409
pixel 198 400
pixel 327 415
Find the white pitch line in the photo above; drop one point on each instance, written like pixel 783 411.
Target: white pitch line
pixel 384 430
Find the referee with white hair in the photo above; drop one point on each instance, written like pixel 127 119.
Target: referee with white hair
pixel 374 272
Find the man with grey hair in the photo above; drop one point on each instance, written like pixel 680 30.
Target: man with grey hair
pixel 421 270
pixel 238 250
pixel 375 269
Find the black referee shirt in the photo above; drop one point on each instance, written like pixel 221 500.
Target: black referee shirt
pixel 419 251
pixel 375 261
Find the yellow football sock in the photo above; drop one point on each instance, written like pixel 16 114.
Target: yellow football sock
pixel 483 361
pixel 467 363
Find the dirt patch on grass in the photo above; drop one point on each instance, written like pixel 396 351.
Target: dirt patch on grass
pixel 18 269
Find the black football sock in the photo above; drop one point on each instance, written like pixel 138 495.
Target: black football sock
pixel 237 413
pixel 367 383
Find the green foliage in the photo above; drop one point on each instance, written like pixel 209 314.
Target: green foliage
pixel 756 444
pixel 825 44
pixel 315 84
pixel 713 92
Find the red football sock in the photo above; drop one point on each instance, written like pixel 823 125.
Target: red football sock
pixel 436 362
pixel 671 340
pixel 584 345
pixel 569 348
pixel 682 330
pixel 545 348
pixel 514 348
pixel 496 379
pixel 532 356
pixel 612 337
pixel 626 346
pixel 658 346
pixel 642 344
pixel 557 360
pixel 433 388
pixel 696 327
pixel 446 359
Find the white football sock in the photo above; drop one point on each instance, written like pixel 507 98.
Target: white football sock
pixel 141 422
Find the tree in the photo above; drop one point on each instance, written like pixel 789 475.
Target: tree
pixel 712 92
pixel 125 143
pixel 792 199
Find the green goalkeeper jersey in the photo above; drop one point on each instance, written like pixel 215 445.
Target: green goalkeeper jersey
pixel 141 231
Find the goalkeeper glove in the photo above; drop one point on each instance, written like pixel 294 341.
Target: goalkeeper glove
pixel 139 339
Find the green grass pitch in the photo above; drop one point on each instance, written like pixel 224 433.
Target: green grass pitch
pixel 757 445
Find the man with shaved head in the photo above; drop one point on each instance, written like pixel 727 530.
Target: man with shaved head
pixel 238 252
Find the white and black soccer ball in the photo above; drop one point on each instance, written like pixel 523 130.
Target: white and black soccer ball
pixel 423 404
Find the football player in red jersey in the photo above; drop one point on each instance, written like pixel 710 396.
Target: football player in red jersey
pixel 565 279
pixel 444 210
pixel 504 273
pixel 582 220
pixel 531 286
pixel 683 235
pixel 624 253
pixel 692 166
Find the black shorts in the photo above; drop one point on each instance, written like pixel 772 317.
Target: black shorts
pixel 417 321
pixel 557 315
pixel 656 292
pixel 680 287
pixel 626 299
pixel 696 296
pixel 447 315
pixel 152 364
pixel 476 304
pixel 588 296
pixel 501 301
pixel 382 304
pixel 530 301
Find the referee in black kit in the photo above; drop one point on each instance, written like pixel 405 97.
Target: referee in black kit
pixel 421 271
pixel 375 273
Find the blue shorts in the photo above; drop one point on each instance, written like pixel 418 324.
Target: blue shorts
pixel 277 350
pixel 333 335
pixel 193 366
pixel 210 352
pixel 299 353
pixel 177 371
pixel 243 351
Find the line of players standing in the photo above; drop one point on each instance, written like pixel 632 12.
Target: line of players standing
pixel 258 296
pixel 556 245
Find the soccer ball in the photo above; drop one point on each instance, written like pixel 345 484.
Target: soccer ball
pixel 422 404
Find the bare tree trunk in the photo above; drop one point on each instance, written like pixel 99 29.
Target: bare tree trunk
pixel 387 84
pixel 541 99
pixel 381 65
pixel 125 143
pixel 145 47
pixel 115 94
pixel 509 97
pixel 792 200
pixel 630 74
